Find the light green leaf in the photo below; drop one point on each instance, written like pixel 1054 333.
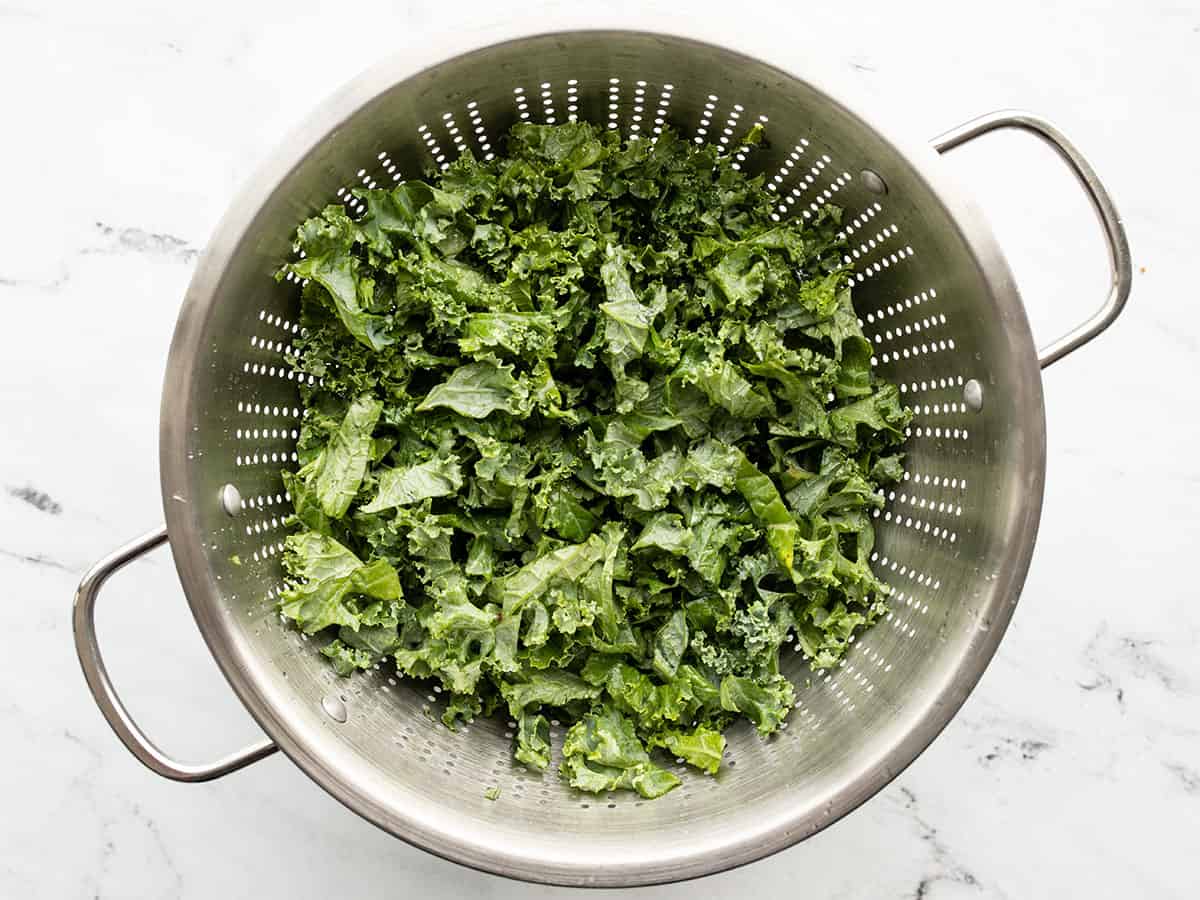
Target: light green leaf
pixel 405 486
pixel 475 391
pixel 335 475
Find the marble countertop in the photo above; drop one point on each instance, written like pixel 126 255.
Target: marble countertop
pixel 1073 770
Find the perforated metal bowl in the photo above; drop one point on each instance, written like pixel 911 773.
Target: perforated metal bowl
pixel 955 539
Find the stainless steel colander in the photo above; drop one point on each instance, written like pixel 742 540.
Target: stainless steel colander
pixel 955 539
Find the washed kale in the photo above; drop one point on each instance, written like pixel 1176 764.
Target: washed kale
pixel 589 435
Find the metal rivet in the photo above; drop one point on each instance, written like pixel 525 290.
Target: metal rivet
pixel 335 708
pixel 973 395
pixel 873 182
pixel 231 500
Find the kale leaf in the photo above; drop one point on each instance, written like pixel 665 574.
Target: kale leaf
pixel 589 435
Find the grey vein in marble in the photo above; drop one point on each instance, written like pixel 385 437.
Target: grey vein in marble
pixel 84 784
pixel 1188 777
pixel 164 848
pixel 136 240
pixel 39 500
pixel 1106 654
pixel 36 559
pixel 1025 749
pixel 944 868
pixel 50 284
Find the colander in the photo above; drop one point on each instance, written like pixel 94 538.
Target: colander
pixel 954 540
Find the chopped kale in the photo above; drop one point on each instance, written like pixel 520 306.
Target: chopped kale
pixel 590 435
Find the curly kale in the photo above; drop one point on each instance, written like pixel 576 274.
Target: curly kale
pixel 589 434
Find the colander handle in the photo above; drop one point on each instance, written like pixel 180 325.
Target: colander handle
pixel 102 688
pixel 1120 263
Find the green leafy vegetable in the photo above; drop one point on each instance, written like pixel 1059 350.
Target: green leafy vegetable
pixel 588 437
pixel 405 486
pixel 701 747
pixel 335 475
pixel 332 583
pixel 601 752
pixel 475 390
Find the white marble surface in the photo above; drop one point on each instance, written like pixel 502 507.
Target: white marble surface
pixel 1074 769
